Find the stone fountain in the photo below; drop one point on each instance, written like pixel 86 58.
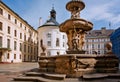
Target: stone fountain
pixel 76 63
pixel 76 27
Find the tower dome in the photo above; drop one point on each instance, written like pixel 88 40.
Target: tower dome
pixel 52 21
pixel 53 13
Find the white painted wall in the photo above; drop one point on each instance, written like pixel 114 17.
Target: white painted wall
pixel 55 33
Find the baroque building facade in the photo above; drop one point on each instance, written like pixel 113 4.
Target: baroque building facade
pixel 96 41
pixel 18 40
pixel 53 40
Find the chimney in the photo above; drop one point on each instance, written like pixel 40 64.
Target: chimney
pixel 103 30
pixel 40 21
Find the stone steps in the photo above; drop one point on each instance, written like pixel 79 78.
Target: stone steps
pixel 35 79
pixel 41 77
pixel 101 76
pixel 46 75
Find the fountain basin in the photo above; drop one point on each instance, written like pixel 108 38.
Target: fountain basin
pixel 76 23
pixel 77 65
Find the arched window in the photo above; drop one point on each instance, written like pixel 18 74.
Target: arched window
pixel 1 25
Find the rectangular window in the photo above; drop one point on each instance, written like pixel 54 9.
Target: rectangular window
pixel 24 48
pixel 49 43
pixel 92 46
pixel 49 35
pixel 15 33
pixel 63 36
pixel 24 37
pixel 20 24
pixel 20 35
pixel 9 16
pixel 8 56
pixel 8 43
pixel 25 27
pixel 14 56
pixel 31 49
pixel 87 46
pixel 8 29
pixel 34 50
pixel 0 41
pixel 15 45
pixel 63 44
pixel 15 21
pixel 98 46
pixel 1 11
pixel 28 49
pixel 1 24
pixel 20 46
pixel 20 56
pixel 57 42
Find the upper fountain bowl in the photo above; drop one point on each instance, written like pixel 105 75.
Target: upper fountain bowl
pixel 75 5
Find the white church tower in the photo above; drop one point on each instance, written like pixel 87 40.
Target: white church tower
pixel 52 38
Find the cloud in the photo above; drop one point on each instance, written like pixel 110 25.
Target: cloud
pixel 103 11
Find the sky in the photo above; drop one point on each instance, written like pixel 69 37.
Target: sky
pixel 102 13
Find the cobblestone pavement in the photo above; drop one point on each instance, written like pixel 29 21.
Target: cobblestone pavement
pixel 9 71
pixel 17 67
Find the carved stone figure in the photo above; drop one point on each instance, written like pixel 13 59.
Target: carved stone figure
pixel 81 39
pixel 42 46
pixel 74 44
pixel 109 47
pixel 69 36
pixel 75 13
